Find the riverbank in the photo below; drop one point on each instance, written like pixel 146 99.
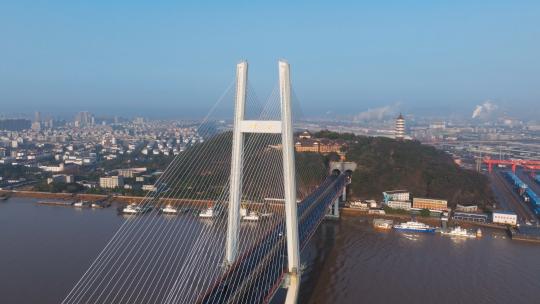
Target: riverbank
pixel 97 197
pixel 425 220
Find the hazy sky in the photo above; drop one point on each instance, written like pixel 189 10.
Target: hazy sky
pixel 179 56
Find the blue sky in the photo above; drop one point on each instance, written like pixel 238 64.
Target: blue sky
pixel 346 56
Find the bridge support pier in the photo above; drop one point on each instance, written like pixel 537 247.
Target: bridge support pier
pixel 293 288
pixel 333 210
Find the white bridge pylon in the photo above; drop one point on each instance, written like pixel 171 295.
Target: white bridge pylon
pixel 283 126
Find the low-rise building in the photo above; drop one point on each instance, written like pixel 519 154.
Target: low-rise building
pixel 148 188
pixel 372 203
pixel 396 195
pixel 131 172
pixel 467 207
pixel 111 182
pixel 504 217
pixel 430 204
pixel 58 168
pixel 403 205
pixel 471 217
pixel 376 211
pixel 359 205
pixel 61 178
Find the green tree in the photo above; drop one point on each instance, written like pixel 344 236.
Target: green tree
pixel 425 213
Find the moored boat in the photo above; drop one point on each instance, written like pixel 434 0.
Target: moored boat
pixel 459 232
pixel 478 232
pixel 100 204
pixel 414 226
pixel 208 213
pixel 251 216
pixel 135 209
pixel 382 224
pixel 169 209
pixel 81 204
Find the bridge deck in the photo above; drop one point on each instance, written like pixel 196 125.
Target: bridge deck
pixel 250 277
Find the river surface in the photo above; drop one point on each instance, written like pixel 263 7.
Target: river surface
pixel 44 250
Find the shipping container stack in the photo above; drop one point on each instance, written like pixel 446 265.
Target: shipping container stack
pixel 526 193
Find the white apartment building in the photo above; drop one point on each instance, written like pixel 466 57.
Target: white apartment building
pixel 111 182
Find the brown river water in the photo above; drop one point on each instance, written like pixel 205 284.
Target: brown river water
pixel 44 250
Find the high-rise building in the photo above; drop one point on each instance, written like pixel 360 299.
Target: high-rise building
pixel 83 119
pixel 37 117
pixel 400 127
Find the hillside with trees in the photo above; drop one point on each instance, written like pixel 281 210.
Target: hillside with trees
pixel 387 164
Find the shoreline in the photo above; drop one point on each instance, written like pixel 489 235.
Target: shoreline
pixel 425 220
pixel 205 203
pixel 97 197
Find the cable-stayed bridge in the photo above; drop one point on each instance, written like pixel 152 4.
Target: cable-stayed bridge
pixel 243 204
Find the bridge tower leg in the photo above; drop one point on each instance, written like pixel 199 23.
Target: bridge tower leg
pixel 235 187
pixel 289 179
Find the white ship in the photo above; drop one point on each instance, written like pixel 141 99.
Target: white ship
pixel 458 231
pixel 81 204
pixel 102 204
pixel 169 209
pixel 208 213
pixel 135 209
pixel 251 216
pixel 414 227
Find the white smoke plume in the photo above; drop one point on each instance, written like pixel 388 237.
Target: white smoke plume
pixel 484 109
pixel 377 113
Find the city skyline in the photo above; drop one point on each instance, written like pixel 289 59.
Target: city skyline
pixel 284 152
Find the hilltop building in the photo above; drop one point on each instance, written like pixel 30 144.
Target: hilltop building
pixel 400 127
pixel 306 143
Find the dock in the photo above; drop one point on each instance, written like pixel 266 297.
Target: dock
pixel 56 203
pixel 525 233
